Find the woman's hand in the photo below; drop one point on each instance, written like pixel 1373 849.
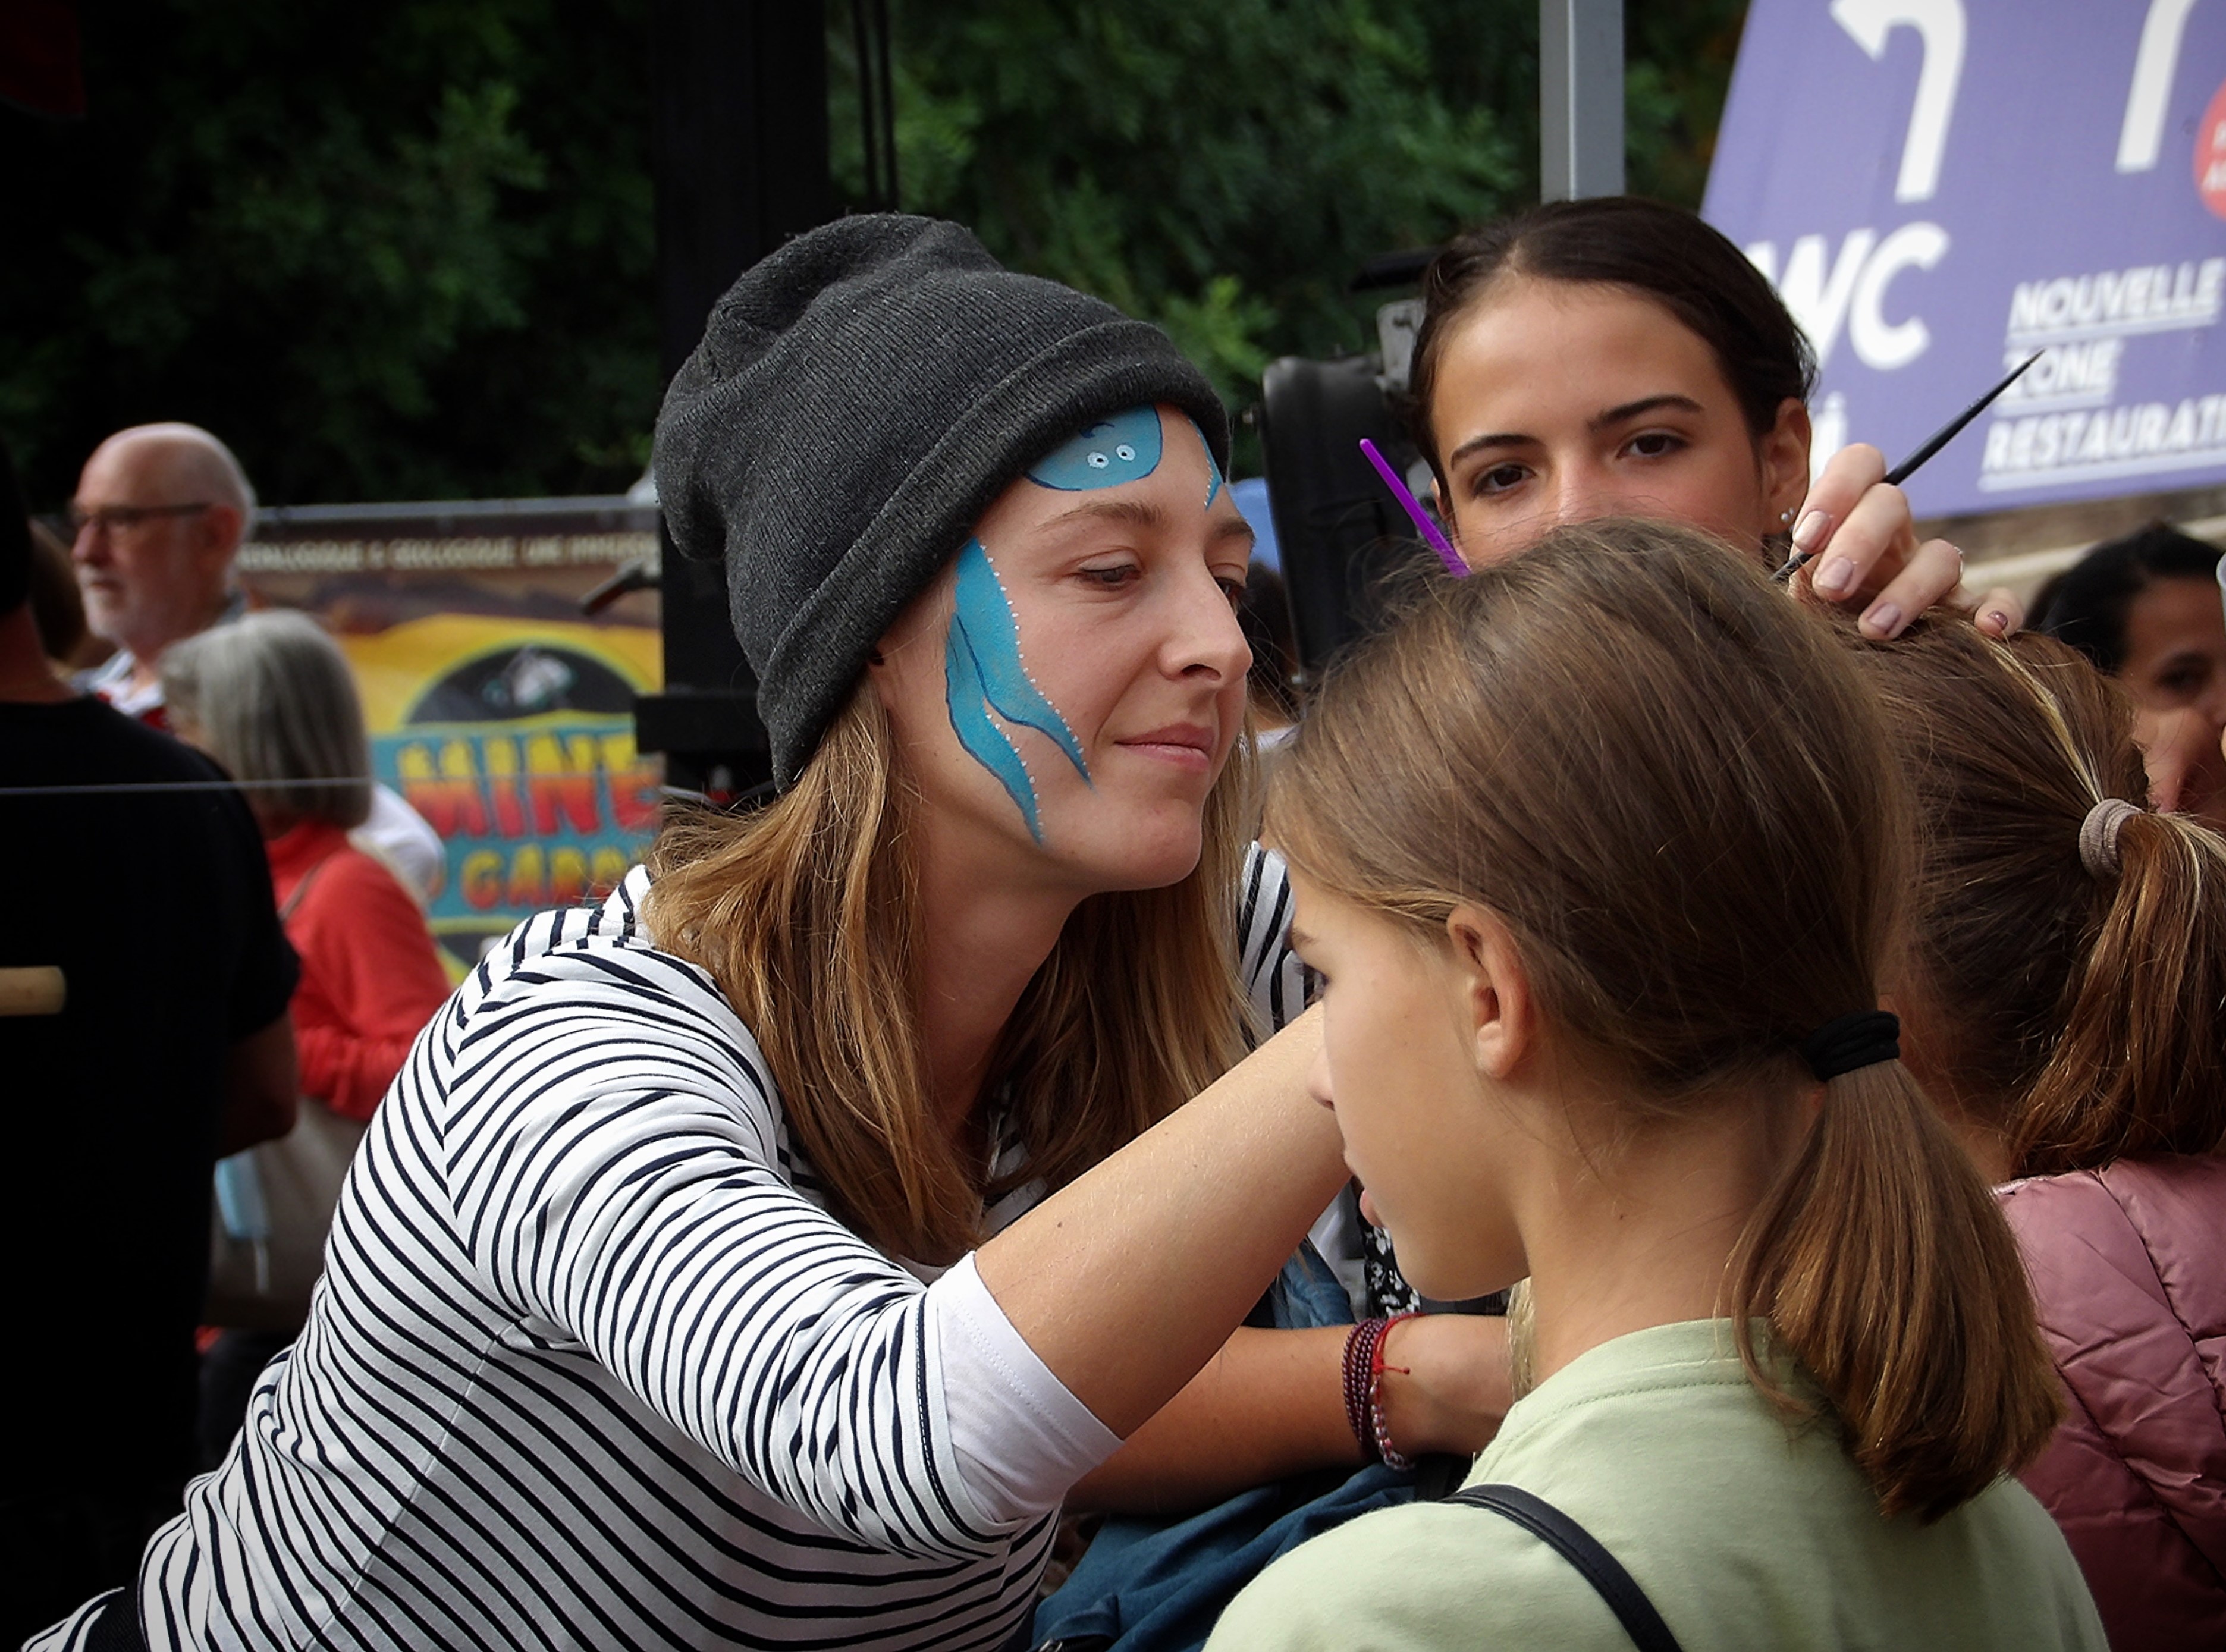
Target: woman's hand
pixel 1447 1382
pixel 1856 530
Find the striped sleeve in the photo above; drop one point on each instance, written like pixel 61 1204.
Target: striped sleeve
pixel 1273 977
pixel 610 1138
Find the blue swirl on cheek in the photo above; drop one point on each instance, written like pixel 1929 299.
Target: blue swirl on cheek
pixel 982 740
pixel 982 672
pixel 1123 448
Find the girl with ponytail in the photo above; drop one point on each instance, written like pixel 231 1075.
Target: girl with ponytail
pixel 2065 1006
pixel 1597 852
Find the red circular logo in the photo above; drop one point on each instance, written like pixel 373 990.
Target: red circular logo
pixel 2210 154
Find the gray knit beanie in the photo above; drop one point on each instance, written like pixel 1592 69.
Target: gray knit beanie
pixel 860 398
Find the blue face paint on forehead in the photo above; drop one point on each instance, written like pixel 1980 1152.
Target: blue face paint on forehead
pixel 982 672
pixel 1123 448
pixel 1212 468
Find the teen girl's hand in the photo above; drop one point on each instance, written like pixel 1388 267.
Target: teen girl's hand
pixel 1447 1382
pixel 1856 529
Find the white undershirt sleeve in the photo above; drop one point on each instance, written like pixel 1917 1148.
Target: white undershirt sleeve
pixel 1021 1438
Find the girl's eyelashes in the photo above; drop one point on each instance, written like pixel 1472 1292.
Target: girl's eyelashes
pixel 1498 480
pixel 1656 444
pixel 1109 576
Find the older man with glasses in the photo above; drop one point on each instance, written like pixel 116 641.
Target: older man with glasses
pixel 159 514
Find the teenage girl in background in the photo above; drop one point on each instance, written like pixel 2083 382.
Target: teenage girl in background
pixel 1617 357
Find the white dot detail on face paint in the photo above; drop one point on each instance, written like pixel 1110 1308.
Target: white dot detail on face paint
pixel 1020 651
pixel 1124 453
pixel 1098 461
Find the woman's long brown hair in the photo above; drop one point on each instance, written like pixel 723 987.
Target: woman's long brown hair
pixel 2081 1017
pixel 1671 786
pixel 806 914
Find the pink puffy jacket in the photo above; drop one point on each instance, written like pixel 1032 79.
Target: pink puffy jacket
pixel 2128 1267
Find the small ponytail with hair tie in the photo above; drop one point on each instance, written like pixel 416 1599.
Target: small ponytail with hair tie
pixel 1849 1043
pixel 2098 836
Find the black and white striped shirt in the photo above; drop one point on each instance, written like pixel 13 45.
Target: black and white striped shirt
pixel 592 1365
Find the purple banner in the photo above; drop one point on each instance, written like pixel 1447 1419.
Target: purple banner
pixel 1940 188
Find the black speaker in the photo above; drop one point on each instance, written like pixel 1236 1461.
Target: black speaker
pixel 1344 540
pixel 742 165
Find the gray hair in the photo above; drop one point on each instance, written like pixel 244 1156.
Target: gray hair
pixel 270 697
pixel 200 463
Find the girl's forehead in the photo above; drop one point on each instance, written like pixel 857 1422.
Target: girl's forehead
pixel 1588 329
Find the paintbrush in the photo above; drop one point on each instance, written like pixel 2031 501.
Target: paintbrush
pixel 1940 438
pixel 1438 542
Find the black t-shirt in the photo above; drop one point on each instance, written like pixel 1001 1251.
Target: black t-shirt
pixel 156 906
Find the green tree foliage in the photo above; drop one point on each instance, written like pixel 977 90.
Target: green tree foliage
pixel 1225 170
pixel 389 250
pixel 407 250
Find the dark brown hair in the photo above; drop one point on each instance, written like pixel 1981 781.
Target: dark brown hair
pixel 1663 252
pixel 1671 786
pixel 2083 1017
pixel 2087 605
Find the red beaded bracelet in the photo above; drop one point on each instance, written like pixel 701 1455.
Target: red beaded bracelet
pixel 1363 1390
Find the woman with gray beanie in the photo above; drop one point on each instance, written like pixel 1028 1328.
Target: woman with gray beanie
pixel 722 1268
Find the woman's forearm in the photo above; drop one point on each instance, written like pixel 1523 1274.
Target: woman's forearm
pixel 1269 1404
pixel 1127 1280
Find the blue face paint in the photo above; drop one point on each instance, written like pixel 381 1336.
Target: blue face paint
pixel 982 672
pixel 985 742
pixel 1123 448
pixel 1212 467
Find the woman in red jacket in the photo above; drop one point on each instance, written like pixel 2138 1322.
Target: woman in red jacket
pixel 2065 1008
pixel 269 697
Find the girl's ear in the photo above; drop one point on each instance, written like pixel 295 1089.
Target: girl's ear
pixel 1783 452
pixel 1500 1009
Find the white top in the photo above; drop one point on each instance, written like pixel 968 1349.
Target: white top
pixel 592 1365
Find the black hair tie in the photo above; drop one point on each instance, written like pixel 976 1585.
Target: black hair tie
pixel 1862 1040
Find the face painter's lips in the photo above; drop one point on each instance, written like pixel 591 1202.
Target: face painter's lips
pixel 1187 745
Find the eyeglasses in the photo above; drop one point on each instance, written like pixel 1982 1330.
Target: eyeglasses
pixel 115 517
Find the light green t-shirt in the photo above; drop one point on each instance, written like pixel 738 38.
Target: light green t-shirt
pixel 1742 1532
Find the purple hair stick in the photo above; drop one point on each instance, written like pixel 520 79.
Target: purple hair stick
pixel 1438 542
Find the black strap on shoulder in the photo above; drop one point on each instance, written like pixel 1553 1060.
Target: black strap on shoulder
pixel 1581 1550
